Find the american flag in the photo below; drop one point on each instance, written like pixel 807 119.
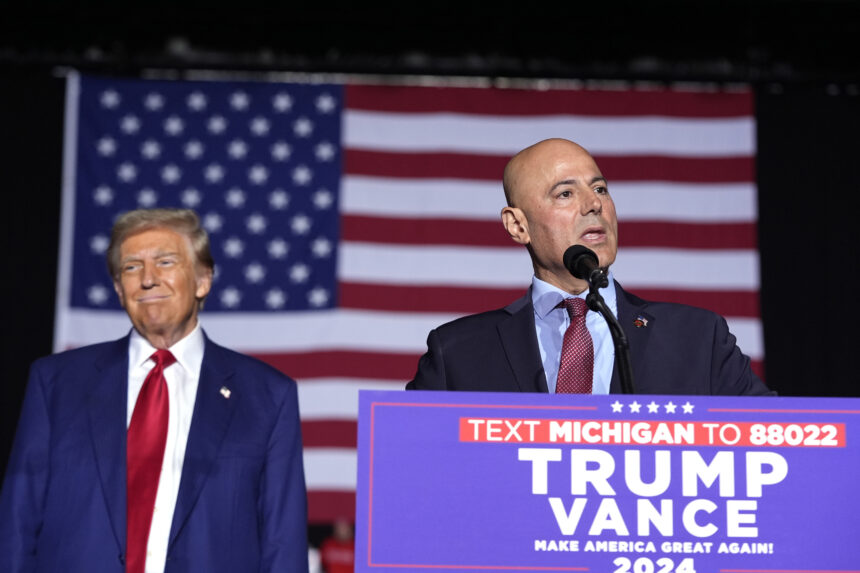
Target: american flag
pixel 347 220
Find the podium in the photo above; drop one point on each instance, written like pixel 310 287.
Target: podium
pixel 461 481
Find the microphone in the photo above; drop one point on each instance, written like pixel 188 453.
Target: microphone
pixel 582 263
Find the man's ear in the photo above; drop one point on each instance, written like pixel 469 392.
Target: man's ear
pixel 204 283
pixel 516 224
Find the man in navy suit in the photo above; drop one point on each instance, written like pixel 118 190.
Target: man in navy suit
pixel 557 197
pixel 228 493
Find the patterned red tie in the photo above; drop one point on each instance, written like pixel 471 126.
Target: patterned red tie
pixel 147 435
pixel 577 352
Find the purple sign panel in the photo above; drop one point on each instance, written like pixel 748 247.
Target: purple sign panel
pixel 460 481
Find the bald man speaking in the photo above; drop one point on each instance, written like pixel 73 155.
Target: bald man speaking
pixel 548 341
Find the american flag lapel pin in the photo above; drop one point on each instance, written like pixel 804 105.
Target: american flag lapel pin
pixel 640 322
pixel 225 391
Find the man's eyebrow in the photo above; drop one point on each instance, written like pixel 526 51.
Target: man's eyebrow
pixel 594 180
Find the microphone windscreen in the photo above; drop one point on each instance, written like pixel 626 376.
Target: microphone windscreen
pixel 575 256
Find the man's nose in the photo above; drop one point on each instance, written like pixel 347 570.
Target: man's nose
pixel 149 277
pixel 590 202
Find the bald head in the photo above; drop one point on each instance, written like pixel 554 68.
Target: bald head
pixel 557 197
pixel 530 161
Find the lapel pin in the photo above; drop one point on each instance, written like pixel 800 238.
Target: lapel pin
pixel 225 391
pixel 640 322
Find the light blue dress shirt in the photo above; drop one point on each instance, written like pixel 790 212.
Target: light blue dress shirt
pixel 551 322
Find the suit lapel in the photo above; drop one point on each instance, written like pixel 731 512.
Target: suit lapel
pixel 630 310
pixel 212 414
pixel 519 340
pixel 108 405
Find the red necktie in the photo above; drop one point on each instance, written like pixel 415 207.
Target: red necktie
pixel 577 352
pixel 147 435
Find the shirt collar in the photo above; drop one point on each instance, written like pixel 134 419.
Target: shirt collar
pixel 188 351
pixel 545 297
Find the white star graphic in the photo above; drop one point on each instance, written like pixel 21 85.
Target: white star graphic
pixel 299 273
pixel 280 151
pixel 235 198
pixel 193 149
pixel 275 298
pixel 103 195
pixel 129 124
pixel 324 151
pixel 688 408
pixel 191 197
pixel 171 173
pixel 282 102
pixel 234 247
pixel 150 149
pixel 302 175
pixel 260 126
pixel 153 101
pixel 279 199
pixel 653 407
pixel 147 198
pixel 213 222
pixel 196 101
pixel 258 174
pixel 126 172
pixel 240 101
pixel 237 149
pixel 277 248
pixel 97 294
pixel 326 103
pixel 213 173
pixel 321 247
pixel 174 125
pixel 318 297
pixel 110 99
pixel 635 407
pixel 255 273
pixel 617 407
pixel 323 199
pixel 106 146
pixel 231 297
pixel 256 224
pixel 670 408
pixel 216 124
pixel 303 127
pixel 300 224
pixel 99 244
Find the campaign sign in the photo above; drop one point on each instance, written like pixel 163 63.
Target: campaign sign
pixel 459 481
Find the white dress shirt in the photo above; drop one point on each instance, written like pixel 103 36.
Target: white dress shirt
pixel 182 378
pixel 551 322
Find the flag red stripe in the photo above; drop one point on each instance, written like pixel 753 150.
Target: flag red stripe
pixel 414 298
pixel 492 234
pixel 326 507
pixel 468 300
pixel 742 304
pixel 343 363
pixel 521 102
pixel 480 167
pixel 329 433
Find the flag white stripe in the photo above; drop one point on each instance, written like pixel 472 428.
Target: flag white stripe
pixel 506 135
pixel 483 201
pixel 331 468
pixel 504 267
pixel 342 329
pixel 67 212
pixel 639 267
pixel 337 398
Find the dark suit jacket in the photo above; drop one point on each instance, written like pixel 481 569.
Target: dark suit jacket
pixel 681 350
pixel 241 506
